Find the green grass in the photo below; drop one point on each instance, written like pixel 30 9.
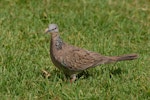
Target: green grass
pixel 105 26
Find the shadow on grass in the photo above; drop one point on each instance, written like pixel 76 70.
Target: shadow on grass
pixel 60 75
pixel 115 72
pixel 57 75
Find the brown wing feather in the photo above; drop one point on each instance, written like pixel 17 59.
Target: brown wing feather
pixel 79 59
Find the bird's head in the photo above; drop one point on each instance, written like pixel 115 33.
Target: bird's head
pixel 53 28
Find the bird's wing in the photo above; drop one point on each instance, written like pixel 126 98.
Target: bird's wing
pixel 79 59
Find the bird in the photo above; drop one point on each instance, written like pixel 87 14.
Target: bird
pixel 73 60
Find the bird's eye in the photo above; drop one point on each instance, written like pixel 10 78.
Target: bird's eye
pixel 54 28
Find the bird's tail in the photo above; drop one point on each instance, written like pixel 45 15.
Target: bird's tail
pixel 125 57
pixel 122 58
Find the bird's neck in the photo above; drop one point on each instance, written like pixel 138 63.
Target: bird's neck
pixel 56 41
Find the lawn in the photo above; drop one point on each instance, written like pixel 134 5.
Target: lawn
pixel 109 27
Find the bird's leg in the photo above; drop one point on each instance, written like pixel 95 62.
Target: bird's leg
pixel 72 78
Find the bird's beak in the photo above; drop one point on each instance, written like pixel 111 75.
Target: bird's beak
pixel 47 30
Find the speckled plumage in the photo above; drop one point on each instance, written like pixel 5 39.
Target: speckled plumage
pixel 73 60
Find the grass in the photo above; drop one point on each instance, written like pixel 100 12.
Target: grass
pixel 105 26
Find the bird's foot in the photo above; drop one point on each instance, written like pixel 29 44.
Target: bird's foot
pixel 72 78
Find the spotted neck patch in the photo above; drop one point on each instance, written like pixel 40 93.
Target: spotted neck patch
pixel 59 43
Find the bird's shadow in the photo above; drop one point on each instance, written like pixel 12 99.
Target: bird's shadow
pixel 60 75
pixel 115 72
pixel 84 74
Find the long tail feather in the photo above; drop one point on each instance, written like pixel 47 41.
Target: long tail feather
pixel 127 57
pixel 121 58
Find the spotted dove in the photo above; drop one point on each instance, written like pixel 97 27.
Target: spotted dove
pixel 73 60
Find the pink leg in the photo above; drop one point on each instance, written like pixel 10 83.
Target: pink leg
pixel 72 78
